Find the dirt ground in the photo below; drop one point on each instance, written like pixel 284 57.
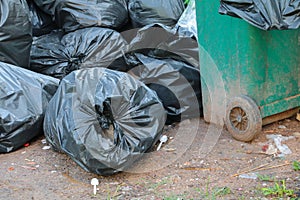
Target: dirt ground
pixel 194 164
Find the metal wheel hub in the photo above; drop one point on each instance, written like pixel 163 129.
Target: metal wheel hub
pixel 239 118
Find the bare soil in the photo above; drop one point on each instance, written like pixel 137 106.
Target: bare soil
pixel 194 164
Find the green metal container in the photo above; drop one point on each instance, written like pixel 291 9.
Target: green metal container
pixel 249 77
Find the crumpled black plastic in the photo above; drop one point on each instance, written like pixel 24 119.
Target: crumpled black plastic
pixel 167 39
pixel 72 15
pixel 57 54
pixel 47 6
pixel 266 15
pixel 145 12
pixel 169 64
pixel 24 96
pixel 42 23
pixel 103 119
pixel 187 24
pixel 15 32
pixel 176 83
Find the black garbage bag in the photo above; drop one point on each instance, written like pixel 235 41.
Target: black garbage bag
pixel 187 24
pixel 176 83
pixel 15 32
pixel 163 39
pixel 103 119
pixel 169 64
pixel 145 12
pixel 71 15
pixel 57 54
pixel 24 96
pixel 266 15
pixel 42 23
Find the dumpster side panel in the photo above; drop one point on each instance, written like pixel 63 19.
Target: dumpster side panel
pixel 263 65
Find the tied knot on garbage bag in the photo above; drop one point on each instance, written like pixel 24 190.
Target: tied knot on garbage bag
pixel 104 120
pixel 105 115
pixel 74 63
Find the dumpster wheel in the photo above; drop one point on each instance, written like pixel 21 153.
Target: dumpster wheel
pixel 243 119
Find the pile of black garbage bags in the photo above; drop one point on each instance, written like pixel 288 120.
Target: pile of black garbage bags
pixel 100 78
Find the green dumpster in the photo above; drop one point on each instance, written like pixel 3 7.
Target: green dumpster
pixel 249 77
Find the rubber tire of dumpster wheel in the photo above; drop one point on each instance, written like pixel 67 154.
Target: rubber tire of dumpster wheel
pixel 243 119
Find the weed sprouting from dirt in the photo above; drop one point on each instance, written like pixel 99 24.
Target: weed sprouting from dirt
pixel 213 193
pixel 266 178
pixel 278 190
pixel 296 165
